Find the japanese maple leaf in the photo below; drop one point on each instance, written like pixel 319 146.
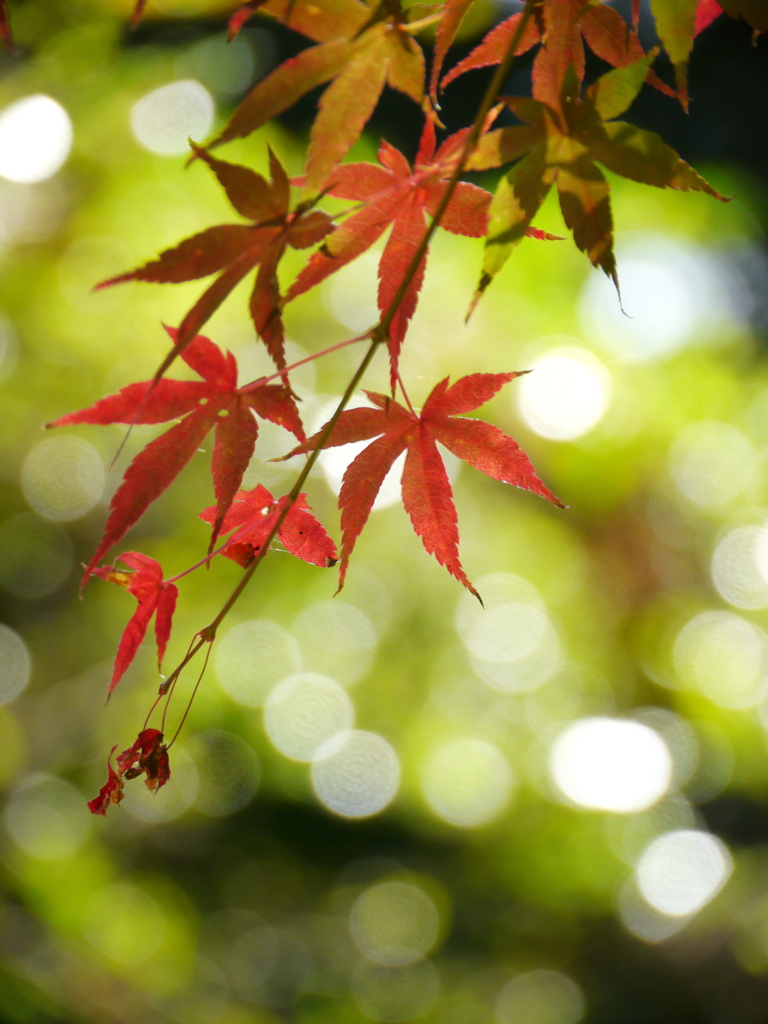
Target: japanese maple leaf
pixel 215 401
pixel 398 195
pixel 147 755
pixel 706 12
pixel 360 48
pixel 426 489
pixel 253 514
pixel 562 26
pixel 111 792
pixel 235 249
pixel 562 146
pixel 154 596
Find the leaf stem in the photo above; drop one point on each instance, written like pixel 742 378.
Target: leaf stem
pixel 259 382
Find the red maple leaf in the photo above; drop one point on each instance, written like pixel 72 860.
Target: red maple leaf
pixel 360 48
pixel 154 595
pixel 147 755
pixel 111 792
pixel 563 26
pixel 253 514
pixel 398 195
pixel 216 401
pixel 706 12
pixel 427 494
pixel 235 249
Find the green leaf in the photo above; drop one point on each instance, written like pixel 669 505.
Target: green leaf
pixel 675 24
pixel 519 195
pixel 642 156
pixel 585 203
pixel 614 91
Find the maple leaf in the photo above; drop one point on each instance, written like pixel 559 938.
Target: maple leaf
pixel 235 249
pixel 398 195
pixel 361 48
pixel 110 793
pixel 426 489
pixel 215 401
pixel 148 754
pixel 146 584
pixel 562 146
pixel 563 26
pixel 253 514
pixel 706 13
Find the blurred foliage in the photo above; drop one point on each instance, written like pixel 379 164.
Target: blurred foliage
pixel 257 887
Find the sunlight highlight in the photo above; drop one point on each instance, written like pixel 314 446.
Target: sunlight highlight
pixel 540 997
pixel 680 872
pixel 565 395
pixel 512 642
pixel 609 764
pixel 15 664
pixel 725 657
pixel 305 710
pixel 35 139
pixel 165 119
pixel 247 679
pixel 713 464
pixel 670 290
pixel 738 567
pixel 356 774
pixel 467 782
pixel 63 478
pixel 394 923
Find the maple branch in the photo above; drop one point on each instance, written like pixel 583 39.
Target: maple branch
pixel 378 334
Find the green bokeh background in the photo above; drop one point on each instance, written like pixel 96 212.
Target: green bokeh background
pixel 236 896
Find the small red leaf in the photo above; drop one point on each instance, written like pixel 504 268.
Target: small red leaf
pixel 154 596
pixel 110 793
pixel 253 514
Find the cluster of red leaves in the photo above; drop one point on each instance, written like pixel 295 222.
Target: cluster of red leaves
pixel 358 47
pixel 148 756
pixel 252 515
